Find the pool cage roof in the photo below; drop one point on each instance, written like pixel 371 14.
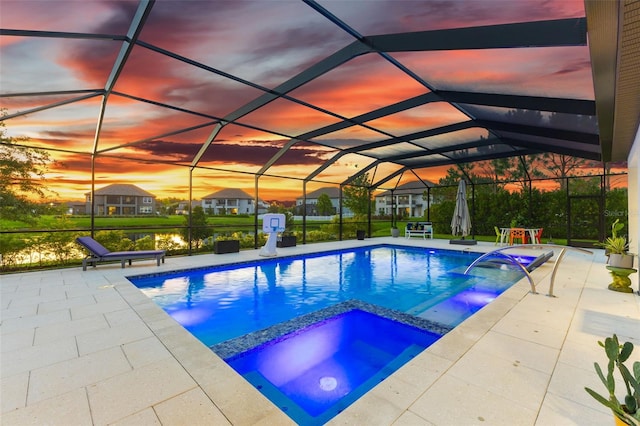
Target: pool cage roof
pixel 399 85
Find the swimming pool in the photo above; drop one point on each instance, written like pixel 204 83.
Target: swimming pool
pixel 223 302
pixel 250 309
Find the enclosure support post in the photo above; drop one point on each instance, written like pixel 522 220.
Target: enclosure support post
pixel 255 214
pixel 304 212
pixel 340 220
pixel 190 207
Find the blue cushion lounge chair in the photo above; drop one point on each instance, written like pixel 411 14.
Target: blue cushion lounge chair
pixel 98 253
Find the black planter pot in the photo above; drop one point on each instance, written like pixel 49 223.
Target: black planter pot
pixel 226 246
pixel 286 241
pixel 360 234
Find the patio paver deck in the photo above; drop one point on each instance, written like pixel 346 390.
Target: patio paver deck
pixel 85 348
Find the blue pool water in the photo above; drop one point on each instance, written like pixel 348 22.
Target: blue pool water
pixel 315 373
pixel 220 303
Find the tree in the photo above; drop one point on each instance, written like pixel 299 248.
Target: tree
pixel 495 172
pixel 524 169
pixel 22 176
pixel 324 205
pixel 357 196
pixel 199 230
pixel 168 206
pixel 276 207
pixel 454 174
pixel 562 166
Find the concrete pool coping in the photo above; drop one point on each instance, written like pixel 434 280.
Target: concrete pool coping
pixel 89 348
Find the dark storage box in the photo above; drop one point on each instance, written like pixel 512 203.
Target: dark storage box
pixel 287 241
pixel 226 246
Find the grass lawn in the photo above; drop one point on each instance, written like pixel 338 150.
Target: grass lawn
pixel 172 223
pixel 84 222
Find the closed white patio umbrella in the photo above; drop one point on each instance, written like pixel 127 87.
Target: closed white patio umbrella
pixel 461 220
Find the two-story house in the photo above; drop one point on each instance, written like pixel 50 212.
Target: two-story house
pixel 183 207
pixel 121 199
pixel 408 200
pixel 312 202
pixel 231 201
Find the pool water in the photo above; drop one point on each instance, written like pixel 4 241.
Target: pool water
pixel 223 302
pixel 315 373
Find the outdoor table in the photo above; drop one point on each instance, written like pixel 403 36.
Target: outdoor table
pixel 532 234
pixel 505 232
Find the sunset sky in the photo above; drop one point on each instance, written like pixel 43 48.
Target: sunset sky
pixel 260 44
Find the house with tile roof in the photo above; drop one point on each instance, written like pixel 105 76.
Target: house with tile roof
pixel 231 201
pixel 408 199
pixel 121 199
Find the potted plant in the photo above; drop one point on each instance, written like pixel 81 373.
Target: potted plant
pixel 617 247
pixel 224 245
pixel 288 238
pixel 627 412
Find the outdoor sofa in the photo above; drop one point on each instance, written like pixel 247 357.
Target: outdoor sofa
pixel 423 229
pixel 99 253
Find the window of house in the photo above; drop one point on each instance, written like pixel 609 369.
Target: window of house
pixel 113 199
pixel 145 209
pixel 147 200
pixel 127 199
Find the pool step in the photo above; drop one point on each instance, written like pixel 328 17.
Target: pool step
pixel 450 312
pixel 467 295
pixel 456 282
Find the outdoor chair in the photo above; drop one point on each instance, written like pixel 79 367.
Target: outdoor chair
pixel 518 234
pixel 99 253
pixel 538 236
pixel 498 235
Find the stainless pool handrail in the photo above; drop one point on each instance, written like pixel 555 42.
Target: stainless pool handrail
pixel 563 250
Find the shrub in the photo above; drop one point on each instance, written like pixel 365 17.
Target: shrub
pixel 114 240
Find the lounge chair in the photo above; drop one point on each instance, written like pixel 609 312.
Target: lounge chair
pixel 98 253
